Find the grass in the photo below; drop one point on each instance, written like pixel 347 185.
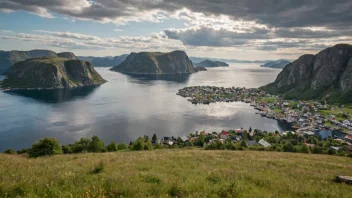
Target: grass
pixel 181 173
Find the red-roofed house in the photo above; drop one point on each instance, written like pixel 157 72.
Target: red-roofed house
pixel 348 138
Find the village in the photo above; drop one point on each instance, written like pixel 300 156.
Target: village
pixel 305 117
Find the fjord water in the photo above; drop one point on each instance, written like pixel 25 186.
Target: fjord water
pixel 127 107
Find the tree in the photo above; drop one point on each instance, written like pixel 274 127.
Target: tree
pixel 45 147
pixel 67 149
pixel 244 143
pixel 96 145
pixel 331 151
pixel 10 151
pixel 154 138
pixel 289 147
pixel 122 146
pixel 200 140
pixel 250 129
pixel 305 149
pixel 81 146
pixel 112 147
pixel 141 144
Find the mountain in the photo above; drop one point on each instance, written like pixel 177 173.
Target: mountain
pixel 199 68
pixel 326 75
pixel 200 59
pixel 278 64
pixel 8 58
pixel 176 62
pixel 51 73
pixel 209 63
pixel 107 61
pixel 68 55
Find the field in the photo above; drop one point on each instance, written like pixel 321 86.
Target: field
pixel 181 173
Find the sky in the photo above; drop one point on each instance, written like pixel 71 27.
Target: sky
pixel 231 29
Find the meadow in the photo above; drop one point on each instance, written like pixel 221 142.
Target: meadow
pixel 175 173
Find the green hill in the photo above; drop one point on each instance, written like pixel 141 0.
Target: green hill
pixel 181 173
pixel 49 73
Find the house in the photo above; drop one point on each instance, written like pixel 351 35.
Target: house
pixel 251 142
pixel 346 122
pixel 264 143
pixel 335 148
pixel 167 141
pixel 184 138
pixel 223 134
pixel 348 138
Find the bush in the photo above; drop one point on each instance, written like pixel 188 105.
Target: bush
pixel 45 147
pixel 67 149
pixel 158 146
pixel 112 147
pixel 331 151
pixel 96 145
pixel 122 146
pixel 141 144
pixel 244 144
pixel 99 168
pixel 10 151
pixel 305 149
pixel 81 146
pixel 289 147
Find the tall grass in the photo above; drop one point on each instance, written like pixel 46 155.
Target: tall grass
pixel 178 172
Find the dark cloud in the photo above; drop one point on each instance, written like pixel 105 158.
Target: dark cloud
pixel 275 13
pixel 205 36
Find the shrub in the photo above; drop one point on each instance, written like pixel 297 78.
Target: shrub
pixel 22 151
pixel 99 168
pixel 96 145
pixel 45 147
pixel 122 146
pixel 200 140
pixel 112 147
pixel 289 147
pixel 67 149
pixel 158 146
pixel 141 144
pixel 305 149
pixel 10 151
pixel 331 151
pixel 244 144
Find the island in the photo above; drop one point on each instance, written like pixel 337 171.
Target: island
pixel 199 69
pixel 209 63
pixel 326 76
pixel 50 73
pixel 278 64
pixel 8 58
pixel 156 63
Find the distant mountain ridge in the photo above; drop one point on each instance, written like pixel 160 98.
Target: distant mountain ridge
pixel 107 61
pixel 326 75
pixel 209 63
pixel 51 73
pixel 278 64
pixel 8 58
pixel 156 63
pixel 200 59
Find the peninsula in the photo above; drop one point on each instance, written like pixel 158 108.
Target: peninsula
pixel 209 63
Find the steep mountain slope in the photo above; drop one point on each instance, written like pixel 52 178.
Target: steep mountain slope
pixel 68 55
pixel 326 75
pixel 176 62
pixel 49 73
pixel 107 61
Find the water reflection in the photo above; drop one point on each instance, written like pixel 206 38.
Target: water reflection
pixel 55 95
pixel 148 79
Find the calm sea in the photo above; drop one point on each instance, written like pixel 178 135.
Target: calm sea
pixel 127 107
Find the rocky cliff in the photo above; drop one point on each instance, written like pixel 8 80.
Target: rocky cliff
pixel 8 58
pixel 278 64
pixel 50 73
pixel 209 63
pixel 155 63
pixel 326 75
pixel 68 55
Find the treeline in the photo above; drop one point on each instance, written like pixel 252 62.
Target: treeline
pixel 279 142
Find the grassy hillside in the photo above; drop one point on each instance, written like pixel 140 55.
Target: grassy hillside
pixel 181 173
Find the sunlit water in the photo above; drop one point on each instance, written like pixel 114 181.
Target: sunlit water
pixel 127 107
